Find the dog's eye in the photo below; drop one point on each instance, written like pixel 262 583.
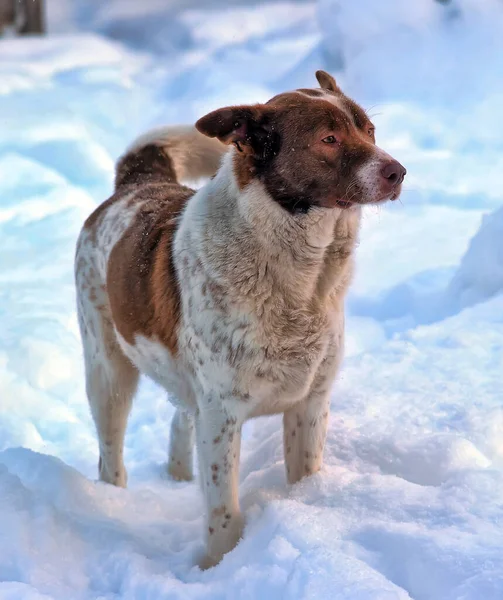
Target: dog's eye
pixel 330 139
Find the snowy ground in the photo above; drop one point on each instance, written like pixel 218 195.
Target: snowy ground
pixel 410 501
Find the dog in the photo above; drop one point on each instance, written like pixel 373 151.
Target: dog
pixel 230 297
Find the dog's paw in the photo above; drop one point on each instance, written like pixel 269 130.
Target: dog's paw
pixel 208 562
pixel 179 472
pixel 117 477
pixel 224 536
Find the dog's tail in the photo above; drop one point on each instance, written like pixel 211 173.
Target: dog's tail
pixel 169 154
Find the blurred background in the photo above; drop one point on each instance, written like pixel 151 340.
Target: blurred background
pixel 79 79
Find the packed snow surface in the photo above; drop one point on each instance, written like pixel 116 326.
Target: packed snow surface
pixel 409 503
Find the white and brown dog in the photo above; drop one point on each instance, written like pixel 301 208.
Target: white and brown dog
pixel 231 297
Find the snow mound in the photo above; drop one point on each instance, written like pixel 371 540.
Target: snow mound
pixel 480 274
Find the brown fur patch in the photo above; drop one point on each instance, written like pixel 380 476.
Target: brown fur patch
pixel 141 278
pixel 244 169
pixel 145 165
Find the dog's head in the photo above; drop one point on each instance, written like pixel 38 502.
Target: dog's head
pixel 310 147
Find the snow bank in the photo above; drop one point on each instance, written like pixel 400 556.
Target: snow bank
pixel 437 53
pixel 480 274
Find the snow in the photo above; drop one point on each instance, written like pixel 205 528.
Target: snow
pixel 480 274
pixel 408 504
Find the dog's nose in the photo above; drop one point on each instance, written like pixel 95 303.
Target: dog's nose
pixel 394 173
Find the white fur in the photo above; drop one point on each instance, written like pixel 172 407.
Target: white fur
pixel 335 100
pixel 110 229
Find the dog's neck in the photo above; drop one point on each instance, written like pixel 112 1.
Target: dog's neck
pixel 253 244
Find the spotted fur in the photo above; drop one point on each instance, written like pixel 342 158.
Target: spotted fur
pixel 231 297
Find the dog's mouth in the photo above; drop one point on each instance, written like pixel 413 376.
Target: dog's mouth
pixel 347 204
pixel 396 194
pixel 390 197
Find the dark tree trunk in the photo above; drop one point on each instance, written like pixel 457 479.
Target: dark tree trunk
pixel 34 17
pixel 6 13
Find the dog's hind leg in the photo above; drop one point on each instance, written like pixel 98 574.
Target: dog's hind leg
pixel 111 381
pixel 181 447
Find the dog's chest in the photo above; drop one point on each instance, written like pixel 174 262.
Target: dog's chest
pixel 265 358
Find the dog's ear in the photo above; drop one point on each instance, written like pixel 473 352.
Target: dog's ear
pixel 326 81
pixel 249 128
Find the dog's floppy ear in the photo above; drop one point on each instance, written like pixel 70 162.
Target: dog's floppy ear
pixel 326 81
pixel 247 127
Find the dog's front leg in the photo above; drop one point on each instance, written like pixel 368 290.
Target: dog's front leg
pixel 218 436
